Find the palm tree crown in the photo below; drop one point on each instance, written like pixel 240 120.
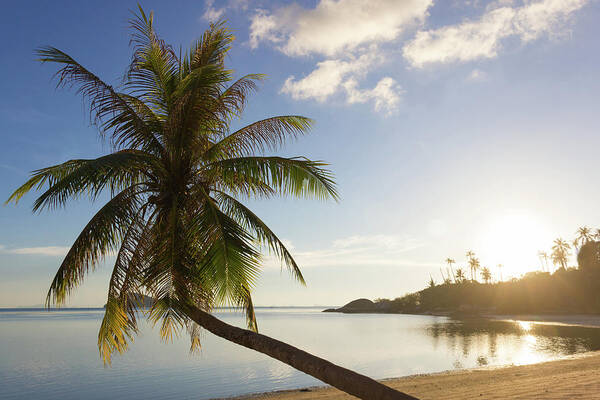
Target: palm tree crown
pixel 176 179
pixel 474 266
pixel 486 274
pixel 560 253
pixel 584 235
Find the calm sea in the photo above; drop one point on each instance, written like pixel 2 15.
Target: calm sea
pixel 53 355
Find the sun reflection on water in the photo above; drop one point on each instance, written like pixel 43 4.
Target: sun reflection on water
pixel 524 325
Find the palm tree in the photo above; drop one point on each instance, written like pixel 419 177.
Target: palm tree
pixel 474 266
pixel 500 267
pixel 597 235
pixel 431 283
pixel 543 256
pixel 176 179
pixel 584 235
pixel 460 275
pixel 450 261
pixel 486 274
pixel 560 253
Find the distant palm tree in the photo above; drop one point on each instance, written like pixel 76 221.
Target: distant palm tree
pixel 460 275
pixel 584 235
pixel 486 275
pixel 470 254
pixel 560 253
pixel 450 261
pixel 500 267
pixel 474 266
pixel 597 235
pixel 175 180
pixel 543 256
pixel 431 282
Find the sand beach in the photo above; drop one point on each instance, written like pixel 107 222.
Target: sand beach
pixel 570 378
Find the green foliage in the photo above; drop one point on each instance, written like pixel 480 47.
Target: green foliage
pixel 176 177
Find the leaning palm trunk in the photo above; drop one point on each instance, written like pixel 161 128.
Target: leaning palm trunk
pixel 344 379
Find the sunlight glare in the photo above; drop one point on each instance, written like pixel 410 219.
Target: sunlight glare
pixel 524 325
pixel 513 239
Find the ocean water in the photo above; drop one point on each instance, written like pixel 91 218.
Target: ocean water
pixel 53 355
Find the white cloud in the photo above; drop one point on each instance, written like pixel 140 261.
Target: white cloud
pixel 364 250
pixel 332 76
pixel 348 33
pixel 263 27
pixel 213 14
pixel 327 78
pixel 482 38
pixel 387 94
pixel 54 251
pixel 336 26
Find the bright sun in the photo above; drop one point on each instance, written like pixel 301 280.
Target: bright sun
pixel 513 239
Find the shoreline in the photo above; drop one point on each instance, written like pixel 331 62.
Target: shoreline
pixel 583 320
pixel 574 376
pixel 535 381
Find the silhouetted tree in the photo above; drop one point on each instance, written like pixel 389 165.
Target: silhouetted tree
pixel 584 235
pixel 486 275
pixel 474 266
pixel 500 267
pixel 450 261
pixel 588 257
pixel 560 253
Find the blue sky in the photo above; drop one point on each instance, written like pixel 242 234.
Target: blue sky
pixel 450 125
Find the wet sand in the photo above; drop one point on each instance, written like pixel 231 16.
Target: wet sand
pixel 572 378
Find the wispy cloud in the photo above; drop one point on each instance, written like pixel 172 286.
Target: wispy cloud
pixel 482 38
pixel 477 75
pixel 213 13
pixel 348 34
pixel 52 251
pixel 363 250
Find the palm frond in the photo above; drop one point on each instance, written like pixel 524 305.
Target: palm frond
pixel 154 69
pixel 226 256
pixel 298 177
pixel 100 236
pixel 212 47
pixel 108 109
pixel 235 97
pixel 267 134
pixel 264 234
pixel 115 172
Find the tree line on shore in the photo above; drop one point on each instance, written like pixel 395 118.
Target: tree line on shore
pixel 554 288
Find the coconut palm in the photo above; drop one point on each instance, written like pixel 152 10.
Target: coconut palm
pixel 460 275
pixel 584 235
pixel 543 256
pixel 500 267
pixel 486 275
pixel 474 267
pixel 560 253
pixel 176 181
pixel 450 261
pixel 431 283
